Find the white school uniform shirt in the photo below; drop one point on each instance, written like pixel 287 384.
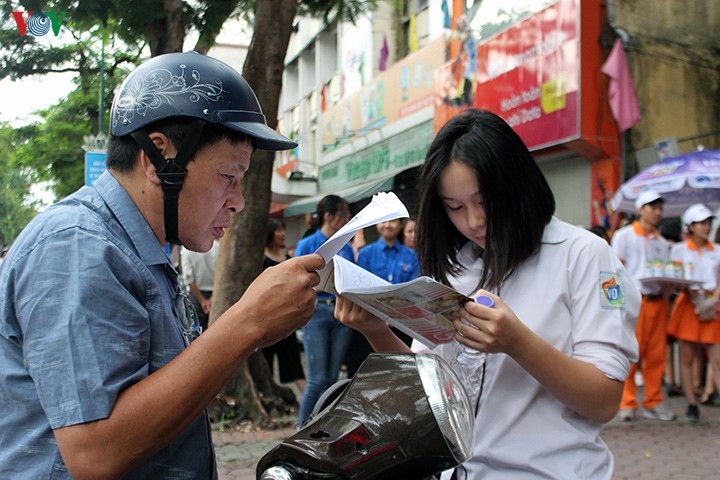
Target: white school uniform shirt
pixel 705 262
pixel 199 267
pixel 635 247
pixel 576 295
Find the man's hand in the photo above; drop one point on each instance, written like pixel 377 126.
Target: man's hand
pixel 281 299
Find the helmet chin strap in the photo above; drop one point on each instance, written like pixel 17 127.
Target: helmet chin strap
pixel 172 172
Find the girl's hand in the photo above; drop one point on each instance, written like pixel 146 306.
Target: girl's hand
pixel 375 330
pixel 356 317
pixel 491 329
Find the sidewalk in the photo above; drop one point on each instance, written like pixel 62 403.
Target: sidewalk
pixel 643 449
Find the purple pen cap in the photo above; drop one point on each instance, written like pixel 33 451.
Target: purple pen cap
pixel 485 300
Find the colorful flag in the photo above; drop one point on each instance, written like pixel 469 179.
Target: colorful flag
pixel 413 34
pixel 384 53
pixel 323 99
pixel 621 93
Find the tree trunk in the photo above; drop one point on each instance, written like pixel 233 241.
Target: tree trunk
pixel 241 250
pixel 166 31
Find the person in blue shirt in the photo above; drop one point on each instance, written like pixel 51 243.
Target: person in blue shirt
pixel 104 372
pixel 325 339
pixel 390 260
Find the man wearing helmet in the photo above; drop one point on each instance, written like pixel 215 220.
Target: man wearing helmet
pixel 95 341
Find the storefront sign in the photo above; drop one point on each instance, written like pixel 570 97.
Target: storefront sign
pixel 529 74
pixel 405 88
pixel 382 160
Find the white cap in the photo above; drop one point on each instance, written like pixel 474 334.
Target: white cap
pixel 645 197
pixel 696 213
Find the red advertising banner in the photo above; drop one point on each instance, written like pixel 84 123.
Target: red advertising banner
pixel 530 75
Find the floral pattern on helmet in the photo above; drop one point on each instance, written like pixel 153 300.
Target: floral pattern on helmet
pixel 162 87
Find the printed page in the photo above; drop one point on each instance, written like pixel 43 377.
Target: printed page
pixel 423 308
pixel 384 206
pixel 352 277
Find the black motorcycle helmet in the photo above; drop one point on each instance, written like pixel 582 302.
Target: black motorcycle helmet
pixel 187 85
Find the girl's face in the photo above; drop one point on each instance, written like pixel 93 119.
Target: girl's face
pixel 458 189
pixel 338 220
pixel 700 231
pixel 279 237
pixel 409 234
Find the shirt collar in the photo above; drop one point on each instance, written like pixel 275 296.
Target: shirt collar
pixel 386 246
pixel 555 232
pixel 131 220
pixel 691 245
pixel 639 230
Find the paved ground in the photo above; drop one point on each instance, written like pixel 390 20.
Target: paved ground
pixel 643 450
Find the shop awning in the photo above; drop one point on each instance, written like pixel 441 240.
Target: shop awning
pixel 351 194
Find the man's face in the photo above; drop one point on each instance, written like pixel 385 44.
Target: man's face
pixel 651 213
pixel 211 192
pixel 390 230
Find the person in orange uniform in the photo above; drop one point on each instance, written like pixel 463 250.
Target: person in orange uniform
pixel 642 249
pixel 695 321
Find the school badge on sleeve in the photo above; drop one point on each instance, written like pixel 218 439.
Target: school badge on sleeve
pixel 612 293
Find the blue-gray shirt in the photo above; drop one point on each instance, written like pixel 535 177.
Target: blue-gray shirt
pixel 86 310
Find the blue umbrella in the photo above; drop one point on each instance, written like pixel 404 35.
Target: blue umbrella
pixel 682 180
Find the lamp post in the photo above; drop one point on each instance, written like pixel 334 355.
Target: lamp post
pixel 101 102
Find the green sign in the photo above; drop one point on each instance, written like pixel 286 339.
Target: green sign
pixel 385 159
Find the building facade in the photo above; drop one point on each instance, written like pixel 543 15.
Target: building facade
pixel 364 101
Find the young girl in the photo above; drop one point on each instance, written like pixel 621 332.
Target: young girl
pixel 325 340
pixel 561 335
pixel 694 320
pixel 408 233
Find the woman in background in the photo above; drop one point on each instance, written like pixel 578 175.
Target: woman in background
pixel 325 339
pixel 694 320
pixel 408 233
pixel 288 349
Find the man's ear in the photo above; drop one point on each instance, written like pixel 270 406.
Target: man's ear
pixel 166 149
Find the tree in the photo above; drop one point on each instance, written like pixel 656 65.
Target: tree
pixel 240 257
pixel 53 148
pixel 241 254
pixel 17 207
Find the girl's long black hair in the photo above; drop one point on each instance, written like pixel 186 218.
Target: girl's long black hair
pixel 518 200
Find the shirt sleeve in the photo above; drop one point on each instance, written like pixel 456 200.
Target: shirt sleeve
pixel 303 247
pixel 81 306
pixel 363 259
pixel 676 253
pixel 415 265
pixel 347 253
pixel 618 244
pixel 604 304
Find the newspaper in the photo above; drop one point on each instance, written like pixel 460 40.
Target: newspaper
pixel 423 308
pixel 383 206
